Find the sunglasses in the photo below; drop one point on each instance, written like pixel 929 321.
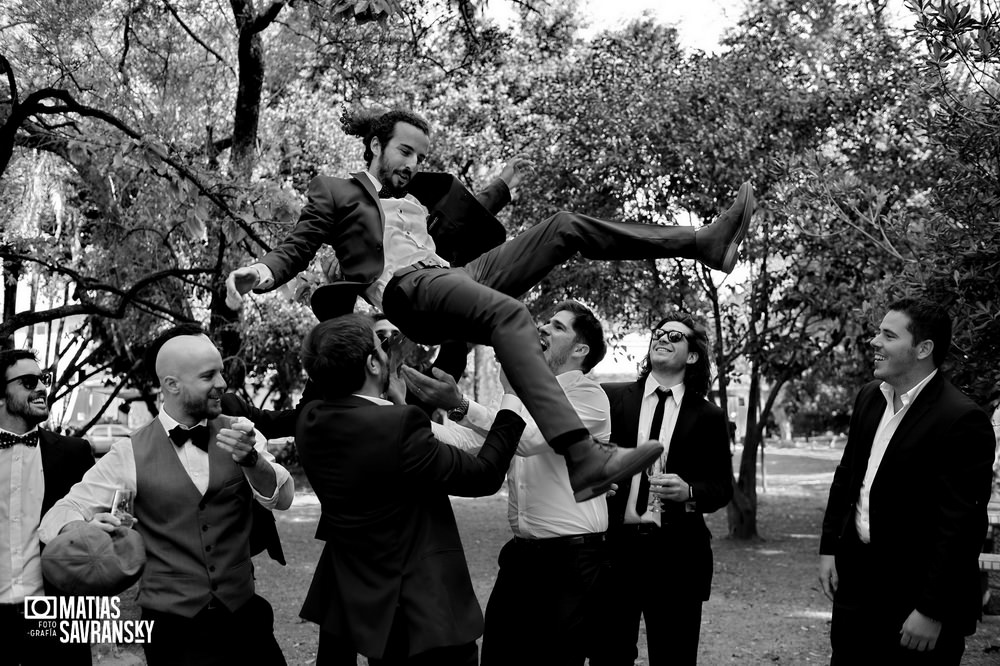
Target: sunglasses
pixel 30 382
pixel 673 335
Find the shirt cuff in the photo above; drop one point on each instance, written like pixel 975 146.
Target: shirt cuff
pixel 265 278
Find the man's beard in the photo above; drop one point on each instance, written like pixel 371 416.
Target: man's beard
pixel 384 176
pixel 25 409
pixel 202 407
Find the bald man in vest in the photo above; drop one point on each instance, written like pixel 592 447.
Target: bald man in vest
pixel 195 474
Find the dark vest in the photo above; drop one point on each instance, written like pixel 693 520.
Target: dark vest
pixel 196 547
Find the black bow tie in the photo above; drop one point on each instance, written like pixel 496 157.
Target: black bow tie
pixel 385 193
pixel 198 436
pixel 8 439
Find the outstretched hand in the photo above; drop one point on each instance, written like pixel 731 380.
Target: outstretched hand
pixel 239 282
pixel 516 170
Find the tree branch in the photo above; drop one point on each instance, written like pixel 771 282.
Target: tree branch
pixel 173 12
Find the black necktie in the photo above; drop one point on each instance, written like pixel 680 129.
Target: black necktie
pixel 642 499
pixel 9 439
pixel 198 436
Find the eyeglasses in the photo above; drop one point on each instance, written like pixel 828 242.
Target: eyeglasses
pixel 673 335
pixel 29 382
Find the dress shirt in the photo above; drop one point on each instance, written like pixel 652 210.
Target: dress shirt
pixel 22 487
pixel 452 433
pixel 883 435
pixel 405 242
pixel 116 469
pixel 670 409
pixel 540 503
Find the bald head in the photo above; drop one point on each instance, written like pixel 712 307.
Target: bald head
pixel 189 368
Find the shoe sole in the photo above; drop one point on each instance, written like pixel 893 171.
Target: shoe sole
pixel 637 465
pixel 733 251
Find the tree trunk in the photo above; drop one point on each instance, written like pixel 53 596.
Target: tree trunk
pixel 11 276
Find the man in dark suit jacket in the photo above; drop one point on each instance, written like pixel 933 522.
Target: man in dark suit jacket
pixel 392 582
pixel 387 255
pixel 905 521
pixel 37 467
pixel 667 402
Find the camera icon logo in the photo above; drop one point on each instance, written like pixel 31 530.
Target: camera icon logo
pixel 40 608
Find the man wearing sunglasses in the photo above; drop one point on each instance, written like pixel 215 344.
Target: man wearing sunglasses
pixel 667 403
pixel 37 467
pixel 388 256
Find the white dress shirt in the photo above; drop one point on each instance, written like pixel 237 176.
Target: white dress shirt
pixel 22 487
pixel 405 242
pixel 540 502
pixel 883 435
pixel 452 433
pixel 671 407
pixel 116 469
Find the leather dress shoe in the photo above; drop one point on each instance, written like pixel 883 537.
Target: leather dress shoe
pixel 719 243
pixel 594 466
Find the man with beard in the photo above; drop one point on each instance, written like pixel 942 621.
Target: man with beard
pixel 194 473
pixel 545 604
pixel 387 255
pixel 906 516
pixel 37 467
pixel 392 582
pixel 695 476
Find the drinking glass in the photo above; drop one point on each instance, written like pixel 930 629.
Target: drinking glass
pixel 655 505
pixel 122 506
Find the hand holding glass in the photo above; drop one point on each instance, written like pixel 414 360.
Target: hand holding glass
pixel 655 505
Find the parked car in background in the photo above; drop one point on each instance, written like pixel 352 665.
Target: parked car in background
pixel 103 435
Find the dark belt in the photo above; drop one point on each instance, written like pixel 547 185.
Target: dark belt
pixel 552 542
pixel 642 529
pixel 420 265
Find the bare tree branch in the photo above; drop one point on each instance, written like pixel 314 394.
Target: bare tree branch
pixel 195 37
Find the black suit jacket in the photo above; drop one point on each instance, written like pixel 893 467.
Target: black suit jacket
pixel 393 552
pixel 927 510
pixel 272 424
pixel 64 462
pixel 699 454
pixel 345 213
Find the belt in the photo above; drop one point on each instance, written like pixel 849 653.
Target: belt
pixel 642 529
pixel 420 265
pixel 575 540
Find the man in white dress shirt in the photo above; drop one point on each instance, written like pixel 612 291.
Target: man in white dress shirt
pixel 194 473
pixel 37 467
pixel 545 602
pixel 904 525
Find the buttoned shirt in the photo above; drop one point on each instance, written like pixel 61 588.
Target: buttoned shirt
pixel 883 435
pixel 116 469
pixel 671 407
pixel 540 503
pixel 22 487
pixel 405 242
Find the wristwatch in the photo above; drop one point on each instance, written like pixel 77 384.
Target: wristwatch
pixel 458 413
pixel 250 459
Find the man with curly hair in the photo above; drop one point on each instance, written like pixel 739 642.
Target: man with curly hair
pixel 387 255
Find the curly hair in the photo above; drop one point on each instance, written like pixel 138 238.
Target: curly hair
pixel 698 375
pixel 9 357
pixel 369 125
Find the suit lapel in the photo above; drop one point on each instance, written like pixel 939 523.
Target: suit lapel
pixel 915 415
pixel 631 403
pixel 686 417
pixel 366 183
